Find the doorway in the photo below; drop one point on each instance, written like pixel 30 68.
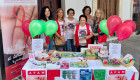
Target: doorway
pixel 53 4
pixel 110 7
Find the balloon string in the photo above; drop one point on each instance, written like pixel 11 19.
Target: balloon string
pixel 23 18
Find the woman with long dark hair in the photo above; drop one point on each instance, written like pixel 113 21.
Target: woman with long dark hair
pixel 46 15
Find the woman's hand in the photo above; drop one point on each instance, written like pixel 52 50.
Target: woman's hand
pixel 63 40
pixel 96 34
pixel 74 43
pixel 45 45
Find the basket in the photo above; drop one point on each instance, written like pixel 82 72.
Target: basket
pixel 90 57
pixel 127 65
pixel 115 65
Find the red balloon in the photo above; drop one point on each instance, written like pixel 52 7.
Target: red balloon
pixel 112 23
pixel 124 31
pixel 131 23
pixel 25 27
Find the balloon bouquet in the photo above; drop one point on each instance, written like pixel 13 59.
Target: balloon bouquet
pixel 38 27
pixel 114 25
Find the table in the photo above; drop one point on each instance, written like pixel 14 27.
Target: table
pixel 34 72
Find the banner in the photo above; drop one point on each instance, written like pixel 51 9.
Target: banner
pixel 15 42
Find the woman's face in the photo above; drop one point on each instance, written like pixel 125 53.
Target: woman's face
pixel 47 12
pixel 70 14
pixel 60 14
pixel 98 13
pixel 83 20
pixel 87 11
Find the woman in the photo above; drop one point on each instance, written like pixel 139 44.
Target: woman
pixel 61 32
pixel 87 11
pixel 46 15
pixel 99 37
pixel 70 23
pixel 82 33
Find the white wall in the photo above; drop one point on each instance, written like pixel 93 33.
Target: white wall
pixel 126 9
pixel 77 5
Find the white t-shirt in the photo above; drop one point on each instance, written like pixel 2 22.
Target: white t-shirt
pixel 82 32
pixel 63 29
pixel 70 27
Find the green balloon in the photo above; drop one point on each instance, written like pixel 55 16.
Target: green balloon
pixel 50 37
pixel 50 28
pixel 103 27
pixel 36 28
pixel 43 23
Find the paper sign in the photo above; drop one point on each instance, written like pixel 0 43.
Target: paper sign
pixel 114 50
pixel 31 56
pixel 95 46
pixel 37 45
pixel 99 74
pixel 83 50
pixel 82 41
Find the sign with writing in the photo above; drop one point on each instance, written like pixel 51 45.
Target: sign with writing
pixel 113 72
pixel 43 72
pixel 37 45
pixel 114 50
pixel 95 46
pixel 31 56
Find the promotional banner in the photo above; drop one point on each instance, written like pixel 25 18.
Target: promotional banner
pixel 15 43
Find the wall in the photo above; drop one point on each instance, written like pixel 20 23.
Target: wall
pixel 77 5
pixel 126 9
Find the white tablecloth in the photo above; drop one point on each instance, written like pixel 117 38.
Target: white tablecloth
pixel 93 64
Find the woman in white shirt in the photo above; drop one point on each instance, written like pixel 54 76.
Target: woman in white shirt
pixel 70 23
pixel 61 29
pixel 82 33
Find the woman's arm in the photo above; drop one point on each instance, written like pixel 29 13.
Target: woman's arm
pixel 63 39
pixel 57 35
pixel 74 40
pixel 87 37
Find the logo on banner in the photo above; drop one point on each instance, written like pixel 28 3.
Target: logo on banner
pixel 95 47
pixel 36 72
pixel 113 72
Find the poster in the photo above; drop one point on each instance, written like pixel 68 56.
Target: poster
pixel 85 74
pixel 70 74
pixel 15 42
pixel 99 74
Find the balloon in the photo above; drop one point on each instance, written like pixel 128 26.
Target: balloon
pixel 124 32
pixel 103 27
pixel 43 23
pixel 131 23
pixel 25 27
pixel 112 23
pixel 36 28
pixel 50 37
pixel 50 27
